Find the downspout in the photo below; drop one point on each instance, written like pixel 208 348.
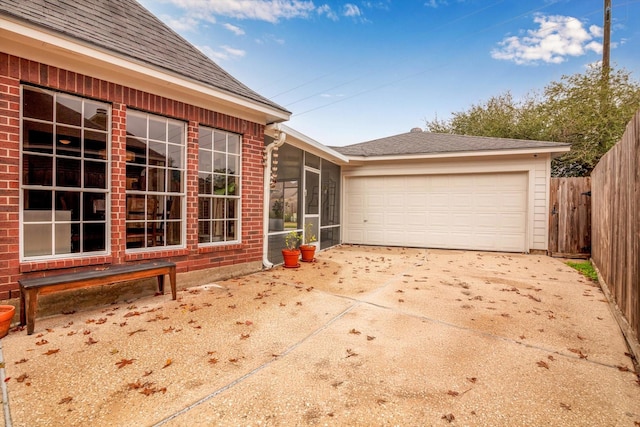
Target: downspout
pixel 269 177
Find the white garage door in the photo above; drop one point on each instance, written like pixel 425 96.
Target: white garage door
pixel 471 211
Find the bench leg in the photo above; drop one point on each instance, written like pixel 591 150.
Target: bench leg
pixel 172 279
pixel 23 313
pixel 31 305
pixel 161 283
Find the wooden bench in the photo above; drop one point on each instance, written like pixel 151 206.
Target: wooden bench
pixel 30 289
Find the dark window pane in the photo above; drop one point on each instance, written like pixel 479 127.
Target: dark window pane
pixel 95 145
pixel 174 207
pixel 37 200
pixel 174 231
pixel 95 174
pixel 233 165
pixel 204 208
pixel 175 182
pixel 219 162
pixel 68 172
pixel 175 156
pixel 37 104
pixel 157 154
pixel 136 151
pixel 37 137
pixel 136 177
pixel 330 194
pixel 67 238
pixel 232 186
pixel 312 160
pixel 204 231
pixel 68 141
pixel 94 206
pixel 94 237
pixel 156 179
pixel 68 110
pixel 204 183
pixel 37 170
pixel 67 205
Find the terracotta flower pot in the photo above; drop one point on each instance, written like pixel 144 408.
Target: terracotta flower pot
pixel 308 252
pixel 6 315
pixel 291 257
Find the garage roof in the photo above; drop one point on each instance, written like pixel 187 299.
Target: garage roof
pixel 127 28
pixel 417 143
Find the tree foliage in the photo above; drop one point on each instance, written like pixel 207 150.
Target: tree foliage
pixel 587 110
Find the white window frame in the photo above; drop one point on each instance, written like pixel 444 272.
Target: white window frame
pixel 55 216
pixel 237 197
pixel 149 194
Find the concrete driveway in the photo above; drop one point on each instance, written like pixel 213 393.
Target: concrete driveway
pixel 364 336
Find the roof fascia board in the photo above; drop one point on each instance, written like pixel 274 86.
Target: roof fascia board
pixel 541 150
pixel 43 41
pixel 302 141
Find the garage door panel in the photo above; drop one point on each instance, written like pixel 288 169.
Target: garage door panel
pixel 466 211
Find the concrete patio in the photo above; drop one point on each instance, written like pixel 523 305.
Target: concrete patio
pixel 364 336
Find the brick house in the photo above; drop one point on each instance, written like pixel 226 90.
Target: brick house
pixel 123 147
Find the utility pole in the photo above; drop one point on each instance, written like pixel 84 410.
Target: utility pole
pixel 606 43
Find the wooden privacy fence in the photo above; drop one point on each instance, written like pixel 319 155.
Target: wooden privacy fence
pixel 570 218
pixel 615 231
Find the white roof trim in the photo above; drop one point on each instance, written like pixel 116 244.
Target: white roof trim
pixel 301 140
pixel 479 153
pixel 48 40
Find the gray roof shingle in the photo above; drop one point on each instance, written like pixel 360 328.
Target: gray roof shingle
pixel 424 143
pixel 127 28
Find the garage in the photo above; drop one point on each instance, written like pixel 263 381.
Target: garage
pixel 431 190
pixel 486 211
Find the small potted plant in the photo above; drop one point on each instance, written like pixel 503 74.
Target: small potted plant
pixel 308 250
pixel 291 253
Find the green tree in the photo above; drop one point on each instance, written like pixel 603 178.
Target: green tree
pixel 586 110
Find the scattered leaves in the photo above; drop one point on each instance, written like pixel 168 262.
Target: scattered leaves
pixel 64 400
pixel 90 341
pixel 351 353
pixel 167 363
pixel 51 351
pixel 124 362
pixel 21 361
pixel 542 364
pixel 42 342
pixel 136 331
pixel 22 377
pixel 565 406
pixel 354 332
pixel 449 417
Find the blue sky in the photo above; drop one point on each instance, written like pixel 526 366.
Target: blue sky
pixel 352 71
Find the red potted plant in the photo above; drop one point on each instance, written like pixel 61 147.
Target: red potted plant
pixel 307 249
pixel 291 253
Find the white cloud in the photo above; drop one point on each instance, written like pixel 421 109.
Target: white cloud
pixel 234 29
pixel 225 53
pixel 556 38
pixel 352 10
pixel 183 23
pixel 261 10
pixel 435 3
pixel 325 9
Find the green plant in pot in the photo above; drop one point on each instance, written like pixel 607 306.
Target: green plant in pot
pixel 307 249
pixel 291 253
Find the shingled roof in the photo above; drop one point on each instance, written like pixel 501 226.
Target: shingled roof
pixel 425 143
pixel 126 28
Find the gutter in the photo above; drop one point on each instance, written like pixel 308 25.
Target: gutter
pixel 280 137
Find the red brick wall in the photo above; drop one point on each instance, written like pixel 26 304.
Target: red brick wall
pixel 15 70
